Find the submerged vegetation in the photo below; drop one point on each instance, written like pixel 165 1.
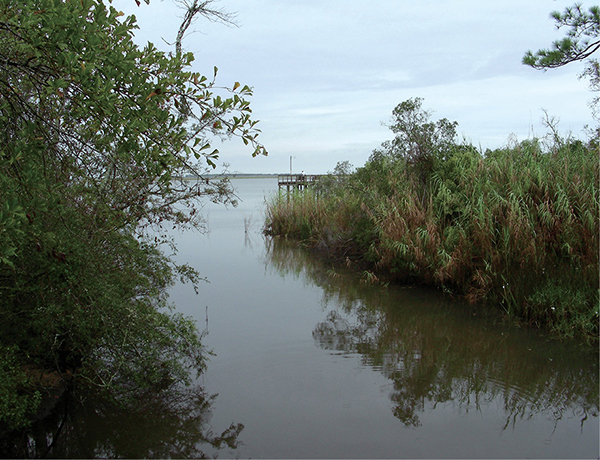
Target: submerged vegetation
pixel 516 227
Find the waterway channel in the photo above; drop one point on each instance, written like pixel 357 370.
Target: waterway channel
pixel 316 363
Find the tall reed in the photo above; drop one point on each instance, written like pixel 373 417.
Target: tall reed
pixel 517 227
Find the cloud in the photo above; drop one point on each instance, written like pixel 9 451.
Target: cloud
pixel 326 74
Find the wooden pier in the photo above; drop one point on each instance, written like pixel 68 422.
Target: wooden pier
pixel 297 181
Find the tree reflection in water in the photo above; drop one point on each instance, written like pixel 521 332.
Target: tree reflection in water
pixel 439 352
pixel 168 422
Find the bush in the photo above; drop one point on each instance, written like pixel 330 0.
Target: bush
pixel 516 227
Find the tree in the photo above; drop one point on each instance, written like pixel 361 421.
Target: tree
pixel 581 42
pixel 343 168
pixel 96 138
pixel 419 141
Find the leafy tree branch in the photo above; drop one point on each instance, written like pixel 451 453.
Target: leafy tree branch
pixel 94 153
pixel 583 29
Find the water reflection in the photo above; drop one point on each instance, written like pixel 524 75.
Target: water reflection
pixel 167 423
pixel 438 354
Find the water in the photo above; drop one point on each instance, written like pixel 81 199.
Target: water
pixel 317 364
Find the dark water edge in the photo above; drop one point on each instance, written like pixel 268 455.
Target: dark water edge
pixel 85 423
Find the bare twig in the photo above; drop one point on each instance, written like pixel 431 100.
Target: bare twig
pixel 203 8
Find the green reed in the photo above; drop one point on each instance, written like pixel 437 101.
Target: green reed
pixel 517 227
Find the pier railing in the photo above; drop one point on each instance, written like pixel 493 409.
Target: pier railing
pixel 297 181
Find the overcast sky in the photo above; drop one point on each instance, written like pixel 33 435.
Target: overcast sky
pixel 327 73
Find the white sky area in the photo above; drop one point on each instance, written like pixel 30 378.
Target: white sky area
pixel 327 74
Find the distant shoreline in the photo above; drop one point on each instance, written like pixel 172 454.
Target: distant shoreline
pixel 234 176
pixel 247 175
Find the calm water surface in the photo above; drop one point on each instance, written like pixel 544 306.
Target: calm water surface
pixel 317 364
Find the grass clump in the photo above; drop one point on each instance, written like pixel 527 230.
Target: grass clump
pixel 515 227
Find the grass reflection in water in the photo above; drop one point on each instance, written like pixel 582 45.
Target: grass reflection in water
pixel 436 352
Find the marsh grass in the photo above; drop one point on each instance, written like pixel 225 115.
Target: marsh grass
pixel 517 228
